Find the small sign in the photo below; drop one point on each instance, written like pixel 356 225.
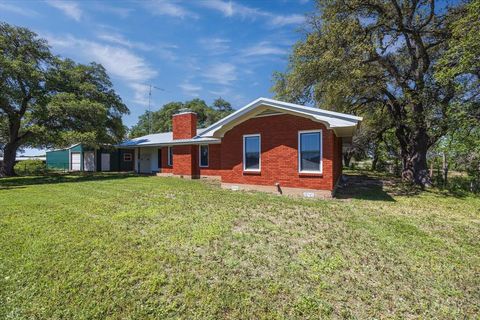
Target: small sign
pixel 235 188
pixel 309 194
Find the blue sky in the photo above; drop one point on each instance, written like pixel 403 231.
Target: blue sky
pixel 204 49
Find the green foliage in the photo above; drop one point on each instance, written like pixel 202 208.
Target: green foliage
pixel 222 105
pixel 46 101
pixel 134 247
pixel 30 167
pixel 161 120
pixel 378 59
pixel 462 56
pixel 462 147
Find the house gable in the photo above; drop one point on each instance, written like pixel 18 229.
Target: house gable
pixel 344 125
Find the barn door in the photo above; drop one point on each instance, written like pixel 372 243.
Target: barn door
pixel 75 161
pixel 105 161
pixel 89 161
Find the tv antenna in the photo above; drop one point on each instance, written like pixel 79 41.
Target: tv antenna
pixel 150 87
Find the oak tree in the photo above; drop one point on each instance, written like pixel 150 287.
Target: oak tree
pixel 46 101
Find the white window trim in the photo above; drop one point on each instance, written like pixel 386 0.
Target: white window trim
pixel 320 171
pixel 259 152
pixel 200 155
pixel 169 156
pixel 130 156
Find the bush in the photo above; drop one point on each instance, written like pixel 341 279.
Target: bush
pixel 30 167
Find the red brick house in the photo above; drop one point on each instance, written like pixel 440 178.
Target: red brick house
pixel 267 145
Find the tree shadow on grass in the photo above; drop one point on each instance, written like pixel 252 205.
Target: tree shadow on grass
pixel 54 178
pixel 363 187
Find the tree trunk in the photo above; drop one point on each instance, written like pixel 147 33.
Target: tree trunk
pixel 346 159
pixel 375 160
pixel 11 147
pixel 445 170
pixel 414 157
pixel 9 156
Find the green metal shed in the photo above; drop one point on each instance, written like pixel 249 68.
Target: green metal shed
pixel 80 158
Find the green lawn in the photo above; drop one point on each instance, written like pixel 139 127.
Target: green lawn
pixel 128 247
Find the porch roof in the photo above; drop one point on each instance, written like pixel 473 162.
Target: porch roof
pixel 166 139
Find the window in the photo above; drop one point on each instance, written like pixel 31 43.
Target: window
pixel 251 152
pixel 203 150
pixel 310 151
pixel 127 157
pixel 170 156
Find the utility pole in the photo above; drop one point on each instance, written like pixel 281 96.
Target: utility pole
pixel 150 87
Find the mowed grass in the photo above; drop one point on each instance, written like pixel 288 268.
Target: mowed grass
pixel 130 247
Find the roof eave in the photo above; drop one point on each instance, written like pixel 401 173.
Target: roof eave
pixel 326 117
pixel 171 143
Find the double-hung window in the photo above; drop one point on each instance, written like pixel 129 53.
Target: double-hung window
pixel 251 152
pixel 203 155
pixel 170 156
pixel 310 151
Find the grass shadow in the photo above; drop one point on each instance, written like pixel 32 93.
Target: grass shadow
pixel 360 186
pixel 54 178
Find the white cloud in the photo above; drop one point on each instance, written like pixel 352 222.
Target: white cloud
pixel 264 48
pixel 18 10
pixel 169 8
pixel 280 21
pixel 164 50
pixel 221 73
pixel 117 38
pixel 215 45
pixel 70 8
pixel 118 11
pixel 190 89
pixel 140 93
pixel 120 62
pixel 230 9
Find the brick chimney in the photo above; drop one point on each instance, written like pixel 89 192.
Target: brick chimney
pixel 184 124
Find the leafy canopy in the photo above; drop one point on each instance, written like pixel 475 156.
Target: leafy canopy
pixel 378 58
pixel 47 101
pixel 161 120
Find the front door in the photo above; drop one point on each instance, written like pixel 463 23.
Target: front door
pixel 105 161
pixel 144 161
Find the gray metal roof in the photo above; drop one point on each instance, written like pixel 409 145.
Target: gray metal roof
pixel 165 139
pixel 343 124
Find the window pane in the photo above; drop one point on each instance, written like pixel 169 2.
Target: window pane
pixel 170 156
pixel 310 151
pixel 252 152
pixel 204 156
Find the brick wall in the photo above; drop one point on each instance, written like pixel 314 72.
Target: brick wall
pixel 337 165
pixel 184 125
pixel 185 160
pixel 181 155
pixel 279 158
pixel 214 163
pixel 165 167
